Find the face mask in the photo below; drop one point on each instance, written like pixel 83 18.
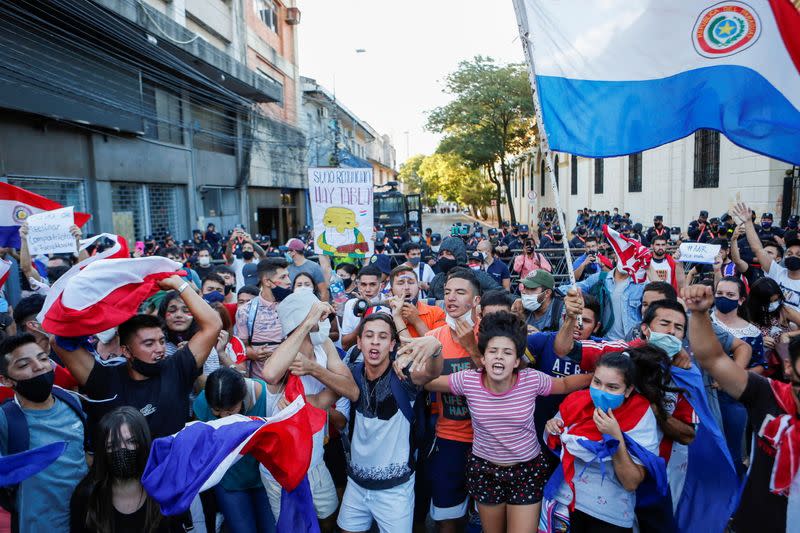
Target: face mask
pixel 247 256
pixel 766 224
pixel 36 389
pixel 123 464
pixel 466 316
pixel 475 267
pixel 106 336
pixel 605 400
pixel 288 257
pixel 149 370
pixel 725 305
pixel 531 302
pixel 415 238
pixel 347 282
pixel 792 263
pixel 415 261
pixel 446 264
pixel 304 288
pixel 229 288
pixel 203 261
pixel 435 248
pixel 214 297
pixel 774 306
pixel 669 343
pixel 319 337
pixel 280 293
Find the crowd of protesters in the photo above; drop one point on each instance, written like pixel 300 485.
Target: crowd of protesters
pixel 459 379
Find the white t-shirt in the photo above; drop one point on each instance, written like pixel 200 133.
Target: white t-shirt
pixel 789 287
pixel 349 320
pixel 237 266
pixel 663 270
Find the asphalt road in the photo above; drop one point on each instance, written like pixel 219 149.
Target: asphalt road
pixel 441 223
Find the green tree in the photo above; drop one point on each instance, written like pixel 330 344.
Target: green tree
pixel 410 177
pixel 489 120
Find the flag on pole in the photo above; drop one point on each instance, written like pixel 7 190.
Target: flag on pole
pixel 622 76
pixel 16 205
pixel 103 295
pixel 197 457
pixel 632 256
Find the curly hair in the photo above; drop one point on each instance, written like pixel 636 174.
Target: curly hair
pixel 503 324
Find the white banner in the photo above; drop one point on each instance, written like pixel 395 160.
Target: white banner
pixel 696 252
pixel 341 207
pixel 48 232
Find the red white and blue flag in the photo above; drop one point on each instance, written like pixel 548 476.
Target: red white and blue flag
pixel 622 76
pixel 198 457
pixel 102 294
pixel 16 205
pixel 632 256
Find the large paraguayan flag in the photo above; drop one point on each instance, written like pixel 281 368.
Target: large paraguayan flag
pixel 16 205
pixel 620 76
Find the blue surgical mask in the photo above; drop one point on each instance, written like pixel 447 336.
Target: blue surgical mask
pixel 604 400
pixel 415 238
pixel 725 305
pixel 669 343
pixel 414 261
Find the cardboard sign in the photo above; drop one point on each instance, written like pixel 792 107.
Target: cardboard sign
pixel 48 232
pixel 695 252
pixel 341 206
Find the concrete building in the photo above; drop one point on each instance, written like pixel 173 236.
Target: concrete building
pixel 146 113
pixel 704 171
pixel 326 119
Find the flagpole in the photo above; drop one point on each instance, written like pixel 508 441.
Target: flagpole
pixel 544 145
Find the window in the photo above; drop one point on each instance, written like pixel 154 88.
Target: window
pixel 214 129
pixel 555 170
pixel 64 191
pixel 635 172
pixel 516 183
pixel 706 159
pixel 598 176
pixel 541 174
pixel 574 176
pixel 163 113
pixel 532 170
pixel 139 209
pixel 268 13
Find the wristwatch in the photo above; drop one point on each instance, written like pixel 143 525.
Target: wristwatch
pixel 183 287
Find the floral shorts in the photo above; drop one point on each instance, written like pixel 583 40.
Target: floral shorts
pixel 519 484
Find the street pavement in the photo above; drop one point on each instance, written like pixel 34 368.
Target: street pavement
pixel 441 222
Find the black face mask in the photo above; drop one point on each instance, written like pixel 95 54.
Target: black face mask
pixel 123 464
pixel 229 288
pixel 280 293
pixel 347 282
pixel 149 370
pixel 248 255
pixel 36 389
pixel 792 263
pixel 446 264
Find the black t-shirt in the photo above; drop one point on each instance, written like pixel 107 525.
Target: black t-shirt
pixel 760 510
pixel 163 400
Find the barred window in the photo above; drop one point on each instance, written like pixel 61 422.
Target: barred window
pixel 541 174
pixel 214 129
pixel 64 191
pixel 706 159
pixel 574 184
pixel 140 209
pixel 163 113
pixel 555 170
pixel 599 170
pixel 532 170
pixel 127 208
pixel 635 172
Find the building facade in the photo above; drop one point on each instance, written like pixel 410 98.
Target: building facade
pixel 704 171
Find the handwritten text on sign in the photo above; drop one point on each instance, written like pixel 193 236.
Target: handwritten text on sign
pixel 48 232
pixel 696 252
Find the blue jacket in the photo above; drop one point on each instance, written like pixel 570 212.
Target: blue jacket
pixel 632 315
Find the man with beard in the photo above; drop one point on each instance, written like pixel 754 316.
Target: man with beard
pixel 657 230
pixel 663 266
pixel 412 316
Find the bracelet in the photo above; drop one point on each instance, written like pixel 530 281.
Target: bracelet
pixel 402 330
pixel 183 287
pixel 437 353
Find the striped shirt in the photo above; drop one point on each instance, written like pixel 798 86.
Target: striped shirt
pixel 503 423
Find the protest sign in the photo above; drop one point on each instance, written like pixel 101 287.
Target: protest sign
pixel 697 252
pixel 341 207
pixel 48 232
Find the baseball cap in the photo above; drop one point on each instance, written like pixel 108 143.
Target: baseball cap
pixel 295 244
pixel 659 217
pixel 475 256
pixel 704 213
pixel 436 239
pixel 383 262
pixel 523 228
pixel 250 274
pixel 766 215
pixel 539 278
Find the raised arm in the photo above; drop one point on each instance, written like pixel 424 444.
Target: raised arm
pixel 25 261
pixel 422 356
pixel 570 384
pixel 564 341
pixel 707 350
pixel 78 360
pixel 736 257
pixel 335 376
pixel 208 322
pixel 742 212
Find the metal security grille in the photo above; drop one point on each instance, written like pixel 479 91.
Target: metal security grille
pixel 574 176
pixel 598 176
pixel 706 159
pixel 66 192
pixel 127 206
pixel 163 204
pixel 635 172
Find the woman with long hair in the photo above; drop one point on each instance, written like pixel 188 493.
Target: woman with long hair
pixel 179 324
pixel 240 495
pixel 777 322
pixel 595 490
pixel 111 497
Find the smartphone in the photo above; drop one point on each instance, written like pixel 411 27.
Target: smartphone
pixel 139 247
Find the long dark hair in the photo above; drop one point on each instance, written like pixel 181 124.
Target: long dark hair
pixel 175 337
pixel 648 369
pixel 742 309
pixel 108 437
pixel 759 299
pixel 225 387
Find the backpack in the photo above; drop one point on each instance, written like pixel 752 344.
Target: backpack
pixel 19 437
pixel 598 290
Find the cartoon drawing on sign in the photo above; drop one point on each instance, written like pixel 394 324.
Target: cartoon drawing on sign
pixel 341 237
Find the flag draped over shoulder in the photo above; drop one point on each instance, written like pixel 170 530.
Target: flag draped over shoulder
pixel 16 205
pixel 631 254
pixel 103 294
pixel 620 77
pixel 197 457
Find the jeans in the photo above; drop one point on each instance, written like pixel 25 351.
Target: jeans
pixel 245 511
pixel 734 422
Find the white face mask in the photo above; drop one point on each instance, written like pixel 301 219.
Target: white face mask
pixel 203 261
pixel 466 316
pixel 531 302
pixel 435 249
pixel 304 288
pixel 774 306
pixel 106 336
pixel 319 337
